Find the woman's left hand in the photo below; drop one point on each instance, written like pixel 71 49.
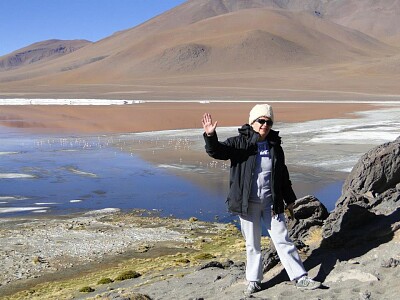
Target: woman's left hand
pixel 290 208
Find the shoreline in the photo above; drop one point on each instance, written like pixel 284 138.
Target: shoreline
pixel 53 254
pixel 158 116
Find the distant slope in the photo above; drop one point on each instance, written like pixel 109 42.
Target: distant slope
pixel 377 18
pixel 227 38
pixel 255 39
pixel 250 39
pixel 40 52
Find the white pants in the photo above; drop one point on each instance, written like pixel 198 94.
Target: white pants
pixel 276 227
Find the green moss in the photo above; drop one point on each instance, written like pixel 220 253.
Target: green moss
pixel 182 260
pixel 127 275
pixel 204 256
pixel 105 280
pixel 87 289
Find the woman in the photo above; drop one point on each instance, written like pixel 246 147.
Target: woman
pixel 260 188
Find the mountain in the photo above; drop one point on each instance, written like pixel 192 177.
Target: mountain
pixel 204 46
pixel 378 18
pixel 40 52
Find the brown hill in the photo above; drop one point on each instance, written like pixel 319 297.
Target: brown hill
pixel 40 52
pixel 205 48
pixel 378 18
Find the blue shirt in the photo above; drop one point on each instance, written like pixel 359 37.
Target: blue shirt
pixel 261 183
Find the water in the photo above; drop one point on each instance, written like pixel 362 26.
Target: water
pixel 168 171
pixel 61 175
pixel 340 142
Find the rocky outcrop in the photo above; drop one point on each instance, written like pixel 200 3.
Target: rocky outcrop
pixel 309 214
pixel 369 207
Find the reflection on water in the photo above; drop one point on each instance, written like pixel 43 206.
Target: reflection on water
pixel 169 171
pixel 73 174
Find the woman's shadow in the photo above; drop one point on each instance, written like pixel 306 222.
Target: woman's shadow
pixel 348 243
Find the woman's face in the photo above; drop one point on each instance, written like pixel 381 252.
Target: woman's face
pixel 262 125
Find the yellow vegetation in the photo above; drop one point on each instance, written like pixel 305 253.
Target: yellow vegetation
pixel 207 243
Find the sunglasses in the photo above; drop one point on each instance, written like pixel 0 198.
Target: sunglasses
pixel 263 121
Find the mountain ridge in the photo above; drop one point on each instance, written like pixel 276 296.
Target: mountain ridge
pixel 212 37
pixel 40 52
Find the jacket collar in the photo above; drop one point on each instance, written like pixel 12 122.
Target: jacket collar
pixel 273 137
pixel 247 131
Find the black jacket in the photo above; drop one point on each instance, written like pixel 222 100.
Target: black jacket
pixel 241 150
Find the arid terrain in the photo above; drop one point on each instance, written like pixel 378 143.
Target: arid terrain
pixel 220 49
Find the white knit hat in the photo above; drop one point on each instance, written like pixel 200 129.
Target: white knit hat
pixel 261 110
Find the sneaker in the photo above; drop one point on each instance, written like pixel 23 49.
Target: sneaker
pixel 252 288
pixel 306 283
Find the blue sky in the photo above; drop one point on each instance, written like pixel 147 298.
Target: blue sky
pixel 24 22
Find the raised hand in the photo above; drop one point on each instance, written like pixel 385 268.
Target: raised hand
pixel 209 127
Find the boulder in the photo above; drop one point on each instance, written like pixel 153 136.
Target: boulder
pixel 377 171
pixel 309 214
pixel 369 207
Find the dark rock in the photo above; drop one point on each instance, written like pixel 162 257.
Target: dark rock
pixel 211 264
pixel 137 296
pixel 216 264
pixel 365 295
pixel 309 213
pixel 124 296
pixel 391 263
pixel 377 171
pixel 239 265
pixel 270 258
pixel 369 207
pixel 227 264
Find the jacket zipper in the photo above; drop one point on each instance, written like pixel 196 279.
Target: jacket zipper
pixel 273 158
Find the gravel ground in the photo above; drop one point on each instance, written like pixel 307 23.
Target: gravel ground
pixel 31 248
pixel 374 275
pixel 34 248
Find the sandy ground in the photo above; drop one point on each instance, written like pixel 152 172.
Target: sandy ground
pixel 158 116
